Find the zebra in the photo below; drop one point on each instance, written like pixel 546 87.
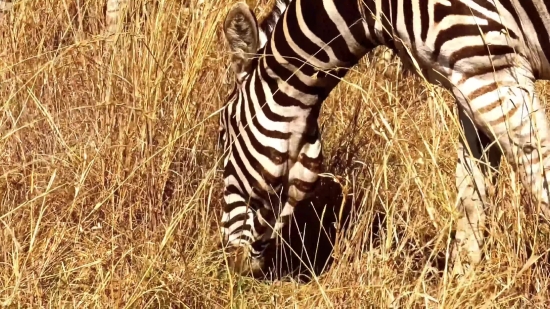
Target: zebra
pixel 488 54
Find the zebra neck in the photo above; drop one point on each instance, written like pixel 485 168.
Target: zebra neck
pixel 306 61
pixel 299 87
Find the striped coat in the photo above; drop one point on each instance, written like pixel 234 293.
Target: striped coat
pixel 487 53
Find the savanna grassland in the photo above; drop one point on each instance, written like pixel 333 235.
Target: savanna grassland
pixel 111 189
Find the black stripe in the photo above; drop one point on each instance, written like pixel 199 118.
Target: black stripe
pixel 456 8
pixel 264 197
pixel 370 13
pixel 424 19
pixel 485 70
pixel 285 51
pixel 539 25
pixel 252 161
pixel 409 25
pixel 394 10
pixel 260 95
pixel 460 30
pixel 267 214
pixel 260 229
pixel 280 41
pixel 230 170
pixel 231 189
pixel 302 185
pixel 284 99
pixel 299 37
pixel 239 164
pixel 273 154
pixel 256 204
pixel 350 12
pixel 231 206
pixel 269 21
pixel 266 110
pixel 318 21
pixel 241 217
pixel 244 227
pixel 312 164
pixel 269 133
pixel 480 50
pixel 387 29
pixel 285 74
pixel 507 4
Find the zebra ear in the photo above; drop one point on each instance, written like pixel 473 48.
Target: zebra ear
pixel 241 32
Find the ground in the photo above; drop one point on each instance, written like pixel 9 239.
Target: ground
pixel 111 181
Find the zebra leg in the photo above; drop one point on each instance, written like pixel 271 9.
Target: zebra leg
pixel 477 157
pixel 302 178
pixel 503 104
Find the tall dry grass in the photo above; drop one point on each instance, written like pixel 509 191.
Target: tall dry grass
pixel 111 187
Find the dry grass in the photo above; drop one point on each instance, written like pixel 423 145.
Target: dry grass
pixel 111 191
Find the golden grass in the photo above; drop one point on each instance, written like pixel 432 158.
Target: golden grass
pixel 111 187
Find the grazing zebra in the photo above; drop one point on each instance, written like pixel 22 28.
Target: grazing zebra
pixel 487 53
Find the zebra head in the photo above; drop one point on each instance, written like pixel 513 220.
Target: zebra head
pixel 241 228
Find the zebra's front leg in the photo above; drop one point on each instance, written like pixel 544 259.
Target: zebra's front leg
pixel 503 105
pixel 478 158
pixel 302 179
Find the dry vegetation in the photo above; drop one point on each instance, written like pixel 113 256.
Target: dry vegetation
pixel 111 189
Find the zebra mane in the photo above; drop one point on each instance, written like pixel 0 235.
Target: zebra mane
pixel 268 23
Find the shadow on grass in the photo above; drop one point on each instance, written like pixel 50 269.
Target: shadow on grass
pixel 308 243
